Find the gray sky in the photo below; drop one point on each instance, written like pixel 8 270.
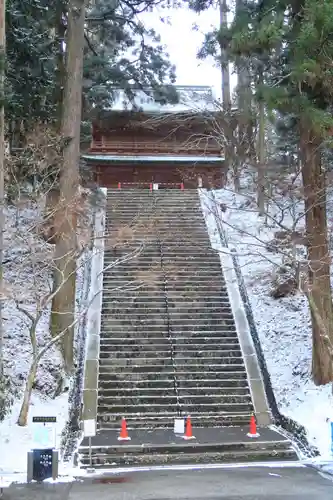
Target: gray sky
pixel 183 43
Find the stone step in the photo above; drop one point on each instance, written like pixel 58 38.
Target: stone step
pixel 154 320
pixel 213 355
pixel 171 349
pixel 110 357
pixel 161 342
pixel 215 365
pixel 238 379
pixel 179 357
pixel 160 350
pixel 159 409
pixel 200 291
pixel 198 319
pixel 146 264
pixel 158 302
pixel 216 390
pixel 153 421
pixel 136 419
pixel 117 383
pixel 195 404
pixel 125 277
pixel 164 367
pixel 170 306
pixel 190 262
pixel 154 248
pixel 145 331
pixel 165 400
pixel 106 402
pixel 162 213
pixel 181 446
pixel 107 348
pixel 166 214
pixel 153 224
pixel 181 360
pixel 153 324
pixel 120 333
pixel 170 390
pixel 194 314
pixel 175 269
pixel 157 218
pixel 167 308
pixel 172 317
pixel 180 296
pixel 104 461
pixel 158 343
pixel 202 340
pixel 154 208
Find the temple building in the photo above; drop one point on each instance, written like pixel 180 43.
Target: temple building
pixel 145 143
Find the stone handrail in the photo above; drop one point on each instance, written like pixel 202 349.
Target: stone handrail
pixel 91 368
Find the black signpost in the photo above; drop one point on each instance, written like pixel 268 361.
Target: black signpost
pixel 42 462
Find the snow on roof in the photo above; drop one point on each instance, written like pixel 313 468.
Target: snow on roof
pixel 191 98
pixel 157 158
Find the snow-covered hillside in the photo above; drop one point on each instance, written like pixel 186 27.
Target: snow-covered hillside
pixel 283 324
pixel 28 277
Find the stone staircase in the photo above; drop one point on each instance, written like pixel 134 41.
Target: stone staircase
pixel 168 342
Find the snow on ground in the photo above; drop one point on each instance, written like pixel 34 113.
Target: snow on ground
pixel 28 273
pixel 17 441
pixel 283 324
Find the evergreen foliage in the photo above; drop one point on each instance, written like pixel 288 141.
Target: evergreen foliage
pixel 291 42
pixel 119 52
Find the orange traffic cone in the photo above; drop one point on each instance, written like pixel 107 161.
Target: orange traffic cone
pixel 253 428
pixel 123 436
pixel 188 430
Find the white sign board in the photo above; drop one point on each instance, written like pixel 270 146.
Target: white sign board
pixel 89 428
pixel 44 436
pixel 4 483
pixel 44 432
pixel 155 186
pixel 179 426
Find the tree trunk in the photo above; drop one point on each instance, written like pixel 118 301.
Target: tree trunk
pixel 63 306
pixel 60 30
pixel 2 187
pixel 226 99
pixel 319 286
pixel 245 139
pixel 23 416
pixel 224 59
pixel 261 159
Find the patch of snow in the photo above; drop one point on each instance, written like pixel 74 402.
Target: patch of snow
pixel 17 441
pixel 28 277
pixel 284 325
pixel 27 273
pixel 191 98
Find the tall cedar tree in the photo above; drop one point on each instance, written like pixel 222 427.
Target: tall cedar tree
pixel 298 83
pixel 119 51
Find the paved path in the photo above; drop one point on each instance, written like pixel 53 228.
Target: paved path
pixel 209 484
